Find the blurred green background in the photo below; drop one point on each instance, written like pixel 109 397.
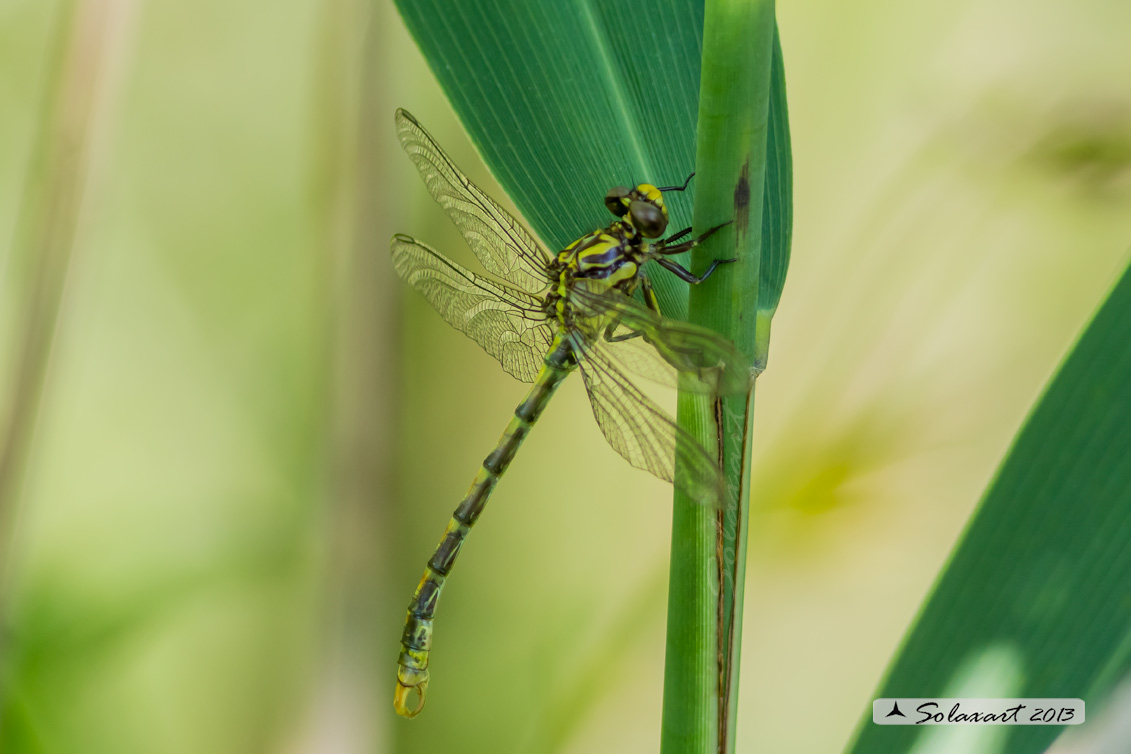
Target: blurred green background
pixel 247 435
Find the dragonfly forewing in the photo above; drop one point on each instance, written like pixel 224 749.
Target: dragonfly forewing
pixel 502 244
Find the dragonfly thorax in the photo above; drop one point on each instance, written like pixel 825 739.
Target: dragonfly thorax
pixel 612 256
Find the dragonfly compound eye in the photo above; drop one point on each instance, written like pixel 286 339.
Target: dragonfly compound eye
pixel 648 219
pixel 617 201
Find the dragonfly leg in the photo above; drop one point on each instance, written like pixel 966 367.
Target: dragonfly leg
pixel 679 188
pixel 685 274
pixel 649 295
pixel 610 338
pixel 687 245
pixel 653 304
pixel 676 237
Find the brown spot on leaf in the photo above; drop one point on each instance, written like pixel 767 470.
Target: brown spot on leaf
pixel 742 200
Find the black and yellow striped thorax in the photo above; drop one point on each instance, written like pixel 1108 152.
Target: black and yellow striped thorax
pixel 612 255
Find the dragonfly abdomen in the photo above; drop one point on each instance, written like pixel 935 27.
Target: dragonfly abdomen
pixel 416 641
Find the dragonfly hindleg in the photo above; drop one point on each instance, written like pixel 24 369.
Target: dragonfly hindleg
pixel 649 295
pixel 610 338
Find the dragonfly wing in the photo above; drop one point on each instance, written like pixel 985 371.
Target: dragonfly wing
pixel 505 248
pixel 510 324
pixel 642 432
pixel 705 361
pixel 640 358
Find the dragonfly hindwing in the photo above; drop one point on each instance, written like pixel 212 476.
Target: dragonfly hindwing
pixel 643 433
pixel 704 361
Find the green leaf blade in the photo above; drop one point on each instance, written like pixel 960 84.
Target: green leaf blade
pixel 565 101
pixel 1044 566
pixel 777 208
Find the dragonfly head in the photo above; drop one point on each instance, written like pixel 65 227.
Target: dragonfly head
pixel 643 208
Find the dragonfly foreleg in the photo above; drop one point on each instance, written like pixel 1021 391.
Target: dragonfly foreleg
pixel 667 251
pixel 679 188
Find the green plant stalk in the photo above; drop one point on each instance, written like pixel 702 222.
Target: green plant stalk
pixel 708 546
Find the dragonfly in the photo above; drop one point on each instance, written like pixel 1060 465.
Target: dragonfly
pixel 546 315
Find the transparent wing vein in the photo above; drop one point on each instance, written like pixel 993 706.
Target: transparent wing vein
pixel 705 362
pixel 641 431
pixel 500 242
pixel 508 323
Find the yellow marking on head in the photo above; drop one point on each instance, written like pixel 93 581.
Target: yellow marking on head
pixel 650 192
pixel 646 192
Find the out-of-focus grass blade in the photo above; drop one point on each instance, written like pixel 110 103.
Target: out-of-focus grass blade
pixel 50 219
pixel 58 633
pixel 565 101
pixel 1035 601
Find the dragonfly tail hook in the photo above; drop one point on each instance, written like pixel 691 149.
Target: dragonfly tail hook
pixel 400 698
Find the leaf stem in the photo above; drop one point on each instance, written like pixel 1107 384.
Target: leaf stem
pixel 708 546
